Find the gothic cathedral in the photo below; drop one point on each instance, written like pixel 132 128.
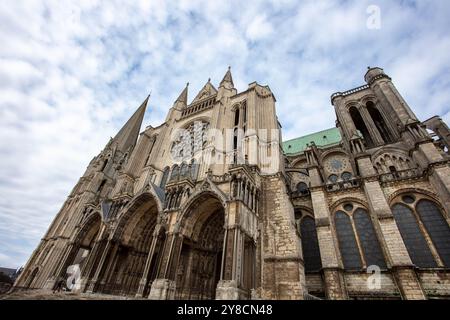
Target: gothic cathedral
pixel 211 204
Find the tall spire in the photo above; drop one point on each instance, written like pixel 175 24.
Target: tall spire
pixel 183 96
pixel 227 81
pixel 127 136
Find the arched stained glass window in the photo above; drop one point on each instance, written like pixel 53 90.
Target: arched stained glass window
pixel 164 177
pixel 368 239
pixel 193 169
pixel 413 238
pixel 347 242
pixel 184 170
pixel 437 227
pixel 175 172
pixel 310 245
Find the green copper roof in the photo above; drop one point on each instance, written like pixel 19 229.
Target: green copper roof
pixel 321 139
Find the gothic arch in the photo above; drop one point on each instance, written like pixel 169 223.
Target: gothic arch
pixel 92 220
pixel 195 201
pixel 396 194
pixel 236 106
pixel 147 195
pixel 360 245
pixel 140 203
pixel 84 241
pixel 296 161
pixel 332 152
pixel 368 98
pixel 424 227
pixel 199 194
pixel 398 150
pixel 198 269
pixel 306 211
pixel 352 103
pixel 201 118
pixel 337 203
pixel 130 249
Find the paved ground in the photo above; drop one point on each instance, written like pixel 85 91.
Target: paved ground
pixel 48 295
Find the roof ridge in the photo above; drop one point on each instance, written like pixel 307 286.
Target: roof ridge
pixel 324 138
pixel 310 134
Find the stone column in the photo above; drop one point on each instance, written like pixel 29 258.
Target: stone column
pixel 89 264
pixel 333 272
pixel 388 95
pixel 150 257
pixel 93 282
pixel 344 117
pixel 440 128
pixel 109 265
pixel 163 287
pixel 373 130
pixel 228 286
pixel 53 262
pixel 61 268
pixel 283 268
pixel 427 155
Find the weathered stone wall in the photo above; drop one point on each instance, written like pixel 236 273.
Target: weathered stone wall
pixel 283 272
pixel 435 284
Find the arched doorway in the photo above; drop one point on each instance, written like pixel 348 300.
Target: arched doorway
pixel 125 264
pixel 199 265
pixel 86 239
pixel 81 250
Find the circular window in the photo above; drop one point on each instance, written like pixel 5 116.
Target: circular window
pixel 348 207
pixel 333 178
pixel 408 199
pixel 346 176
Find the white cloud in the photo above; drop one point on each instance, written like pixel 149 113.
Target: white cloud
pixel 259 28
pixel 72 72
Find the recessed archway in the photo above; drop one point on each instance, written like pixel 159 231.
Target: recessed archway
pixel 199 265
pixel 125 264
pixel 83 247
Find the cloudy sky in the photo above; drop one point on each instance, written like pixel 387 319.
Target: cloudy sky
pixel 72 72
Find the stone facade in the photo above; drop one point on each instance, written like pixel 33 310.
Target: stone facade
pixel 210 204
